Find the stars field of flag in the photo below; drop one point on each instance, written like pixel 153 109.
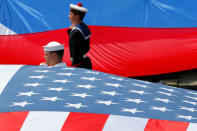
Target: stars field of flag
pixel 35 88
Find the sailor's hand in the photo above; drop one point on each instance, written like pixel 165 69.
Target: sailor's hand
pixel 43 64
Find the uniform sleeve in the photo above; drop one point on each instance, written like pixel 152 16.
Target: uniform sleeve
pixel 86 46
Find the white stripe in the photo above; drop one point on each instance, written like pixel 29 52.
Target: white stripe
pixel 44 121
pixel 124 123
pixel 6 73
pixel 5 31
pixel 192 127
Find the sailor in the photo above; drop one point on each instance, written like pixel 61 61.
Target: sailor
pixel 79 37
pixel 53 54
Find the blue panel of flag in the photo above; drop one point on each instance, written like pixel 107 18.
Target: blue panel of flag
pixel 35 88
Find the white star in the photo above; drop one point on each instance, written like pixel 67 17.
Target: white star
pixel 188 109
pixel 138 92
pixel 194 93
pixel 83 95
pixel 143 86
pixel 89 78
pixel 68 69
pixel 23 104
pixel 42 71
pixel 185 117
pixel 194 98
pixel 108 103
pixel 51 98
pixel 61 81
pixel 86 86
pixel 26 93
pixel 38 77
pixel 113 84
pixel 170 90
pixel 112 93
pixel 32 84
pixel 146 82
pixel 91 72
pixel 133 111
pixel 163 100
pixel 163 109
pixel 190 102
pixel 134 100
pixel 66 74
pixel 57 89
pixel 168 94
pixel 78 105
pixel 115 78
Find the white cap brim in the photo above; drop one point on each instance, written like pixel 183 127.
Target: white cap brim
pixel 76 7
pixel 55 48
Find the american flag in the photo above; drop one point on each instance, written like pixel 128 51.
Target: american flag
pixel 35 98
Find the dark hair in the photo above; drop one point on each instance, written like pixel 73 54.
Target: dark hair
pixel 60 54
pixel 76 12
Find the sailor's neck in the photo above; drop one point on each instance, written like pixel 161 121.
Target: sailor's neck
pixel 77 23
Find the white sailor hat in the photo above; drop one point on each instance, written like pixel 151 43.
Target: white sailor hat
pixel 53 46
pixel 78 7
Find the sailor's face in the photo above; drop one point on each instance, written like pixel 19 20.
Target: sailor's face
pixel 48 57
pixel 72 17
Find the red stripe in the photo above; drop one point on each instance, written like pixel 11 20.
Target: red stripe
pixel 164 125
pixel 116 50
pixel 84 122
pixel 12 121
